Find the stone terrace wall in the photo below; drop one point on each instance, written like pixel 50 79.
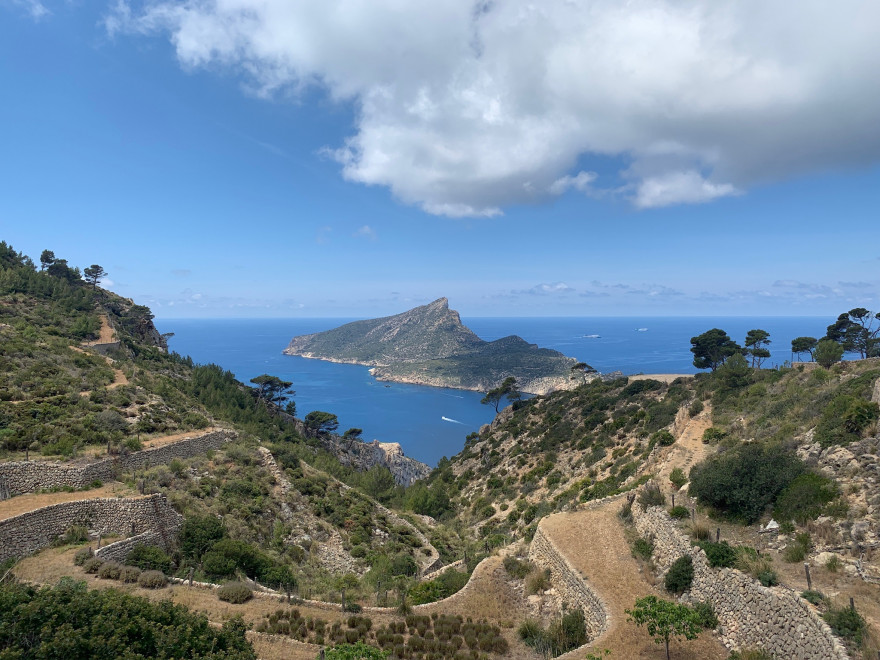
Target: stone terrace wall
pixel 21 477
pixel 571 586
pixel 119 550
pixel 775 619
pixel 21 535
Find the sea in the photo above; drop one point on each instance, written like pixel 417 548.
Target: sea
pixel 432 422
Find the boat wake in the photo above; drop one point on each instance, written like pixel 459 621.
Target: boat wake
pixel 454 421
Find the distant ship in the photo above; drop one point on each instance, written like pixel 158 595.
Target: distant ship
pixel 641 329
pixel 592 336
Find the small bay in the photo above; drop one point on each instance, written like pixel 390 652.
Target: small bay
pixel 432 422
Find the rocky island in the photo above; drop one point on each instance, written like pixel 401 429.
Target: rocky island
pixel 429 345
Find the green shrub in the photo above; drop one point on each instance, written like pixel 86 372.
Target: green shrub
pixel 679 512
pixel 680 575
pixel 92 565
pixel 847 623
pixel 149 558
pixel 768 578
pixel 743 481
pixel 73 622
pixel 73 534
pixel 750 654
pixel 109 570
pixel 695 408
pixel 720 555
pixel 805 498
pixel 235 593
pixel 82 555
pixel 152 580
pixel 706 615
pixel 643 548
pixel 797 550
pixel 517 568
pixel 130 574
pixel 663 438
pixel 199 533
pixel 678 478
pixel 814 597
pixel 712 435
pixel 651 495
pixel 358 552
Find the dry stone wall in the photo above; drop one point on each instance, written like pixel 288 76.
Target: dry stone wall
pixel 775 619
pixel 569 584
pixel 21 477
pixel 26 533
pixel 119 550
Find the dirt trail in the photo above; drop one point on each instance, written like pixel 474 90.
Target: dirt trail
pixel 23 503
pixel 594 543
pixel 689 448
pixel 106 335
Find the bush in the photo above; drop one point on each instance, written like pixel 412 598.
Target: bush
pixel 517 568
pixel 92 565
pixel 73 534
pixel 846 623
pixel 149 558
pixel 750 654
pixel 109 570
pixel 768 578
pixel 679 512
pixel 680 575
pixel 537 581
pixel 805 498
pixel 82 555
pixel 663 438
pixel 678 478
pixel 813 597
pixel 695 408
pixel 353 608
pixel 152 580
pixel 720 555
pixel 797 550
pixel 643 548
pixel 706 615
pixel 130 574
pixel 712 435
pixel 743 481
pixel 235 593
pixel 700 532
pixel 651 495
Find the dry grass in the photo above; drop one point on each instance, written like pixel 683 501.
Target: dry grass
pixel 24 503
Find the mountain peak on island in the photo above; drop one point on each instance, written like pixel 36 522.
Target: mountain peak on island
pixel 430 345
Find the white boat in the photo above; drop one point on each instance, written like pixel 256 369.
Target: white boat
pixel 641 329
pixel 592 336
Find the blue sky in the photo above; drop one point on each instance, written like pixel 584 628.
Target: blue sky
pixel 591 158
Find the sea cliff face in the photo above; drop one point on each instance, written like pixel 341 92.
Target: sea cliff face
pixel 429 345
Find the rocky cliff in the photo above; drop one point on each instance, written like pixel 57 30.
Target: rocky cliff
pixel 429 345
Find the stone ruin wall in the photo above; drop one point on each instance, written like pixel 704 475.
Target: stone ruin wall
pixel 775 619
pixel 17 478
pixel 26 533
pixel 572 588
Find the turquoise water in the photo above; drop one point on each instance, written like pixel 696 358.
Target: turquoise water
pixel 432 422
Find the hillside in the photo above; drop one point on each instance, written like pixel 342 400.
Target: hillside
pixel 530 543
pixel 429 345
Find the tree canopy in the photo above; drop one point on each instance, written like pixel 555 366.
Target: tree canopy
pixel 665 620
pixel 507 389
pixel 94 274
pixel 712 348
pixel 804 345
pixel 583 370
pixel 272 390
pixel 857 331
pixel 321 423
pixel 756 345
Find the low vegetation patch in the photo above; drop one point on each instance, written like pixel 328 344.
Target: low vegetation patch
pixel 235 593
pixel 152 580
pixel 680 575
pixel 560 637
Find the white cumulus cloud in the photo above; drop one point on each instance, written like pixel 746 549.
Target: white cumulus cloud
pixel 466 106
